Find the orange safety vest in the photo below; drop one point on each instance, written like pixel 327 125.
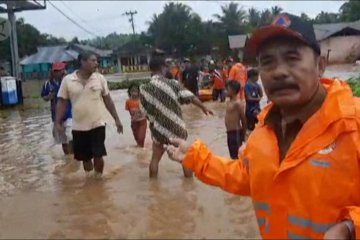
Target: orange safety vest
pixel 219 80
pixel 315 186
pixel 238 72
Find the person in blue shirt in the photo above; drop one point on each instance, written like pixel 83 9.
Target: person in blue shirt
pixel 49 93
pixel 253 94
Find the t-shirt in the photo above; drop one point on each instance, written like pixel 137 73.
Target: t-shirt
pixel 87 100
pixel 133 106
pixel 252 89
pixel 219 80
pixel 54 86
pixel 161 100
pixel 238 72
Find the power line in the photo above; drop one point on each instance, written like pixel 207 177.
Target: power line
pixel 73 21
pixel 75 14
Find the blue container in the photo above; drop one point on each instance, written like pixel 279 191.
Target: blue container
pixel 9 91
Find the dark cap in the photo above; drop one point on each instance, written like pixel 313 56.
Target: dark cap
pixel 285 25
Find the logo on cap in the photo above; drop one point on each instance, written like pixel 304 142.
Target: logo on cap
pixel 282 20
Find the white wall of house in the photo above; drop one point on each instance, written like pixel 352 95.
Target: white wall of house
pixel 344 49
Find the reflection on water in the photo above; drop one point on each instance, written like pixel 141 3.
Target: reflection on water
pixel 44 196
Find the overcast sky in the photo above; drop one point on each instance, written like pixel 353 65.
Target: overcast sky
pixel 104 17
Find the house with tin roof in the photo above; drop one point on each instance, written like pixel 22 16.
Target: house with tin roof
pixel 339 42
pixel 38 65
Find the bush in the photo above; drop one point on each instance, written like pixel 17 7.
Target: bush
pixel 126 83
pixel 354 83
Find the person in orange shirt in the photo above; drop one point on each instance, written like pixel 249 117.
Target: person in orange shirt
pixel 175 71
pixel 218 84
pixel 138 118
pixel 238 72
pixel 301 164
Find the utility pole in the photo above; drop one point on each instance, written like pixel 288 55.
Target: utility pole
pixel 13 42
pixel 131 19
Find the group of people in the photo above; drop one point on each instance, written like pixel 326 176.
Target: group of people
pixel 229 79
pixel 300 165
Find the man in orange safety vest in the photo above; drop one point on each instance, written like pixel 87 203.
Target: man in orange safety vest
pixel 301 164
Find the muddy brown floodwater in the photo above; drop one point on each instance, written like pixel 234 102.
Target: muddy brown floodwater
pixel 43 196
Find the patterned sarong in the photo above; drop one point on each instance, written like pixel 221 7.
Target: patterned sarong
pixel 161 100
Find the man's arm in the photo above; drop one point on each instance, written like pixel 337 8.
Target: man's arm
pixel 242 116
pixel 46 94
pixel 232 176
pixel 110 106
pixel 61 108
pixel 196 101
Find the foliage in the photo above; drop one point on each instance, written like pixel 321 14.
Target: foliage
pixel 125 84
pixel 29 38
pixel 177 29
pixel 180 31
pixel 354 83
pixel 350 11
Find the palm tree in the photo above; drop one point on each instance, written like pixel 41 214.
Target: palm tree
pixel 276 10
pixel 232 18
pixel 266 17
pixel 253 17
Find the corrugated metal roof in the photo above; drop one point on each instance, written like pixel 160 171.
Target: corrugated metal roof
pixel 99 52
pixel 323 31
pixel 50 55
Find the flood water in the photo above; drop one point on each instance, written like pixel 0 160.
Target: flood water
pixel 44 196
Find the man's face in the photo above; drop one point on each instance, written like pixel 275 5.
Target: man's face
pixel 289 71
pixel 58 74
pixel 91 64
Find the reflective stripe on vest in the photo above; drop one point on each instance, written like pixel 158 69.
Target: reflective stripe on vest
pixel 262 206
pixel 264 222
pixel 307 223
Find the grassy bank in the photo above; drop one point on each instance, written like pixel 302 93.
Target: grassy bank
pixel 126 83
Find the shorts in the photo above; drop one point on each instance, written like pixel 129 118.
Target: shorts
pixel 251 117
pixel 235 139
pixel 89 144
pixel 63 137
pixel 219 93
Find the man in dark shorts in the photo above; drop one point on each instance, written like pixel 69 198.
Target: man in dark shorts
pixel 88 92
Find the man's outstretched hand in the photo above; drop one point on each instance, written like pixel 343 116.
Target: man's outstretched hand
pixel 207 111
pixel 177 149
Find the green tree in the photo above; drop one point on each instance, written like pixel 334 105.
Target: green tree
pixel 254 17
pixel 232 18
pixel 276 11
pixel 29 39
pixel 325 17
pixel 265 17
pixel 177 29
pixel 305 17
pixel 350 11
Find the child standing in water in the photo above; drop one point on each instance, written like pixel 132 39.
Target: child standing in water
pixel 235 120
pixel 138 118
pixel 253 94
